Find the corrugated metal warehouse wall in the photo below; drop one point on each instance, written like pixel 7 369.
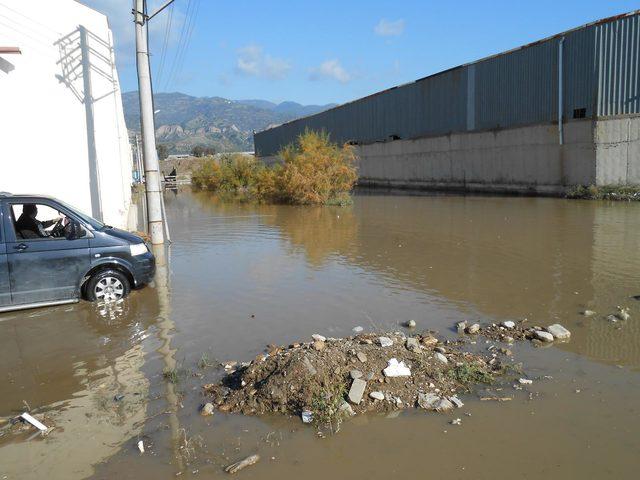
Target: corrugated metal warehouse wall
pixel 520 87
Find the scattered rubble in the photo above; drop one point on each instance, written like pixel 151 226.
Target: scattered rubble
pixel 349 376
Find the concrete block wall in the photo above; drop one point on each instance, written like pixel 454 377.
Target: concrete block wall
pixel 524 159
pixel 617 143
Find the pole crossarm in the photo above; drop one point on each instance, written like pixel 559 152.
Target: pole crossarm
pixel 166 4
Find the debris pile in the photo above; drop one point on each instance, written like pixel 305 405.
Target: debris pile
pixel 510 331
pixel 326 378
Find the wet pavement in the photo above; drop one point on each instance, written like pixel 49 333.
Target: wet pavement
pixel 239 276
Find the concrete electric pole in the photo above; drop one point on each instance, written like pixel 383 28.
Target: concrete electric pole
pixel 151 165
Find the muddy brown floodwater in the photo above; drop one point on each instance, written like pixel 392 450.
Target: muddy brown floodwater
pixel 239 277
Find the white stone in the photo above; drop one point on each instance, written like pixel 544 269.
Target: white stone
pixel 358 329
pixel 456 401
pixel 509 324
pixel 411 324
pixel 396 369
pixel 357 391
pixel 525 381
pixel 377 395
pixel 441 358
pixel 319 338
pixel 543 336
pixel 385 341
pixel 558 331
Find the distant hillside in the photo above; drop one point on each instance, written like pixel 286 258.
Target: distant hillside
pixel 183 121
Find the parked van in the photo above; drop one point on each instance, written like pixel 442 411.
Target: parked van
pixel 52 254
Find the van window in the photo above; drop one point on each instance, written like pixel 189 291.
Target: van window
pixel 33 221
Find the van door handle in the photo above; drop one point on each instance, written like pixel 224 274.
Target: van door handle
pixel 21 246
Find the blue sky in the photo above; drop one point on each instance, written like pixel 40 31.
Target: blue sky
pixel 331 51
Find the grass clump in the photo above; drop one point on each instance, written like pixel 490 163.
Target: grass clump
pixel 326 402
pixel 174 375
pixel 605 192
pixel 312 171
pixel 468 374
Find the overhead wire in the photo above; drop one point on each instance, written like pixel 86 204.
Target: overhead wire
pixel 165 42
pixel 190 28
pixel 180 45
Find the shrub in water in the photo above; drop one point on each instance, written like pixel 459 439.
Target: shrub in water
pixel 311 171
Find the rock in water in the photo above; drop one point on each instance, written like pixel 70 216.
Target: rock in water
pixel 558 331
pixel 396 369
pixel 428 401
pixel 377 395
pixel 475 328
pixel 207 410
pixel 456 401
pixel 319 338
pixel 385 341
pixel 460 326
pixel 441 358
pixel 358 329
pixel 431 401
pixel 543 336
pixel 411 324
pixel 357 391
pixel 509 324
pixel 588 313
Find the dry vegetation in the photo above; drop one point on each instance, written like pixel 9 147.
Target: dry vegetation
pixel 313 171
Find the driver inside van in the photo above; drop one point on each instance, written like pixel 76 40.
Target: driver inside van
pixel 28 226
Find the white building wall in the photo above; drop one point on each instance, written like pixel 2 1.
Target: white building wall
pixel 44 134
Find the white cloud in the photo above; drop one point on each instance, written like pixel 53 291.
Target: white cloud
pixel 389 28
pixel 254 62
pixel 330 69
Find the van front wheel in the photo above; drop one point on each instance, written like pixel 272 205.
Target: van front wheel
pixel 107 286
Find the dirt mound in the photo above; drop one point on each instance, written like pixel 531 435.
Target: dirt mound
pixel 327 378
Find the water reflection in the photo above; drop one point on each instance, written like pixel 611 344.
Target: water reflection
pixel 70 363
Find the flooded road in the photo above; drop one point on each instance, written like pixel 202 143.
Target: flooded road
pixel 241 276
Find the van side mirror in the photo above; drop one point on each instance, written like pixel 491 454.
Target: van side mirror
pixel 74 230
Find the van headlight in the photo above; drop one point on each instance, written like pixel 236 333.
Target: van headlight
pixel 138 249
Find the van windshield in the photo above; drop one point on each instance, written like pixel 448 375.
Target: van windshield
pixel 95 224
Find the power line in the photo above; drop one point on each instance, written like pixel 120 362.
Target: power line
pixel 163 54
pixel 180 45
pixel 190 28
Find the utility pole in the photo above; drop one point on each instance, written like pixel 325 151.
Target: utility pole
pixel 151 165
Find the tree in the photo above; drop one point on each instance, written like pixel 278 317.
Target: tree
pixel 197 151
pixel 163 151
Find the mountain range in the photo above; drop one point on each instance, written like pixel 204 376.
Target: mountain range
pixel 184 121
